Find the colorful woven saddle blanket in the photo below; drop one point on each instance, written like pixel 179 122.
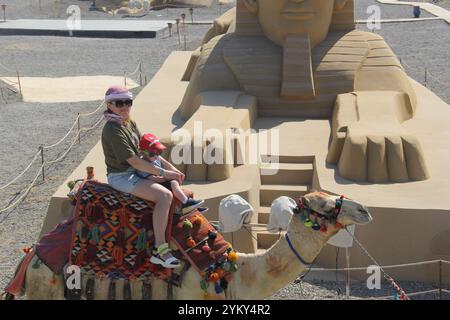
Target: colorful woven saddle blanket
pixel 112 235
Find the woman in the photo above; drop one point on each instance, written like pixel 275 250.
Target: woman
pixel 120 142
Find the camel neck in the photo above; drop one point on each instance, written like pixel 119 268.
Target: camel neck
pixel 262 275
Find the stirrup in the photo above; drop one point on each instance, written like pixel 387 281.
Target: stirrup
pixel 170 263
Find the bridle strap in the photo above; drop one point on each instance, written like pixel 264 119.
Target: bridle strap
pixel 306 264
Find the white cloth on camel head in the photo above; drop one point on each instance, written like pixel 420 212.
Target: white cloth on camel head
pixel 234 211
pixel 281 212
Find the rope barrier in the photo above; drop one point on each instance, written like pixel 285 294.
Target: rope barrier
pixel 74 141
pixel 385 267
pixel 393 297
pixel 65 136
pixel 24 194
pixel 403 295
pixel 135 71
pixel 15 179
pixel 47 163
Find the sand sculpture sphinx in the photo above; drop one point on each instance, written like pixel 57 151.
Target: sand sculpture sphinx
pixel 304 59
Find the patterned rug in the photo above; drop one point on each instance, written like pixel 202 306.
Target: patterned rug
pixel 112 233
pixel 112 236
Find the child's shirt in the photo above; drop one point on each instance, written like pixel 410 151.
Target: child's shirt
pixel 157 162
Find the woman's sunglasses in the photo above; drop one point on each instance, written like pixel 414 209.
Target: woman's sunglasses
pixel 123 103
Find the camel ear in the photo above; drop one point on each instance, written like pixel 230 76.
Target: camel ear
pixel 339 4
pixel 251 5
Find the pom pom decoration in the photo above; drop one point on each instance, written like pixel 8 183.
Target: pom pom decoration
pixel 316 226
pixel 190 242
pixel 26 250
pixel 196 220
pixel 206 247
pixel 233 257
pixel 226 266
pixel 187 224
pixel 308 223
pixel 214 277
pixel 204 285
pixel 212 235
pixel 218 288
pixel 220 272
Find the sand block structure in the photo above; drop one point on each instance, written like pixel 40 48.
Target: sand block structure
pixel 344 116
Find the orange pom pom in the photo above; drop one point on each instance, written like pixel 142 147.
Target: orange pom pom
pixel 26 250
pixel 190 242
pixel 220 272
pixel 232 256
pixel 202 274
pixel 196 220
pixel 214 277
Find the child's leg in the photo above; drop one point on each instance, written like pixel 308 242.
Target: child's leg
pixel 177 191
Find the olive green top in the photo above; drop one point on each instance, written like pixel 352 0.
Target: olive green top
pixel 120 143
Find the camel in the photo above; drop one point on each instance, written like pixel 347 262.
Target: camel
pixel 258 276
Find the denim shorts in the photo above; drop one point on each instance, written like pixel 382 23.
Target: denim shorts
pixel 124 181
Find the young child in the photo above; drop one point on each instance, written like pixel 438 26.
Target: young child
pixel 151 149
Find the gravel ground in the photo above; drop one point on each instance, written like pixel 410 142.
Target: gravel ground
pixel 387 11
pixel 442 3
pixel 23 10
pixel 25 126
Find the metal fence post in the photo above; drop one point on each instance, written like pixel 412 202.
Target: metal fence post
pixel 18 82
pixel 79 135
pixel 42 161
pixel 440 279
pixel 140 73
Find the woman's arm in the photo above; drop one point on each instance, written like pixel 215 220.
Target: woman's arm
pixel 142 165
pixel 167 165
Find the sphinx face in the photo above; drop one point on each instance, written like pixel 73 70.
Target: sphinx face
pixel 281 18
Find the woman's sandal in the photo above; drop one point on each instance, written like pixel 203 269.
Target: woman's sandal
pixel 157 257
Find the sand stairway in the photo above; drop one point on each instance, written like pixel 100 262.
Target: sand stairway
pixel 293 179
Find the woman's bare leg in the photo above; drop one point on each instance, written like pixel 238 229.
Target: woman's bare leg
pixel 177 191
pixel 162 197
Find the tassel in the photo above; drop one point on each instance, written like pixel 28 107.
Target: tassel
pixel 120 239
pixel 224 283
pixel 218 288
pixel 142 240
pixel 112 290
pixel 97 213
pixel 79 231
pixel 140 259
pixel 118 255
pixel 146 290
pixel 91 252
pixel 88 211
pixel 95 234
pixel 79 260
pixel 123 219
pixel 53 281
pixel 127 291
pixel 147 222
pixel 90 289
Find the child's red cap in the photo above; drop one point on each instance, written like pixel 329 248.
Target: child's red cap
pixel 151 143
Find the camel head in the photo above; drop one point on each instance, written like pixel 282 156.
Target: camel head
pixel 333 212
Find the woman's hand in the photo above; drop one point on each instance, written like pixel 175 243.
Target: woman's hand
pixel 183 176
